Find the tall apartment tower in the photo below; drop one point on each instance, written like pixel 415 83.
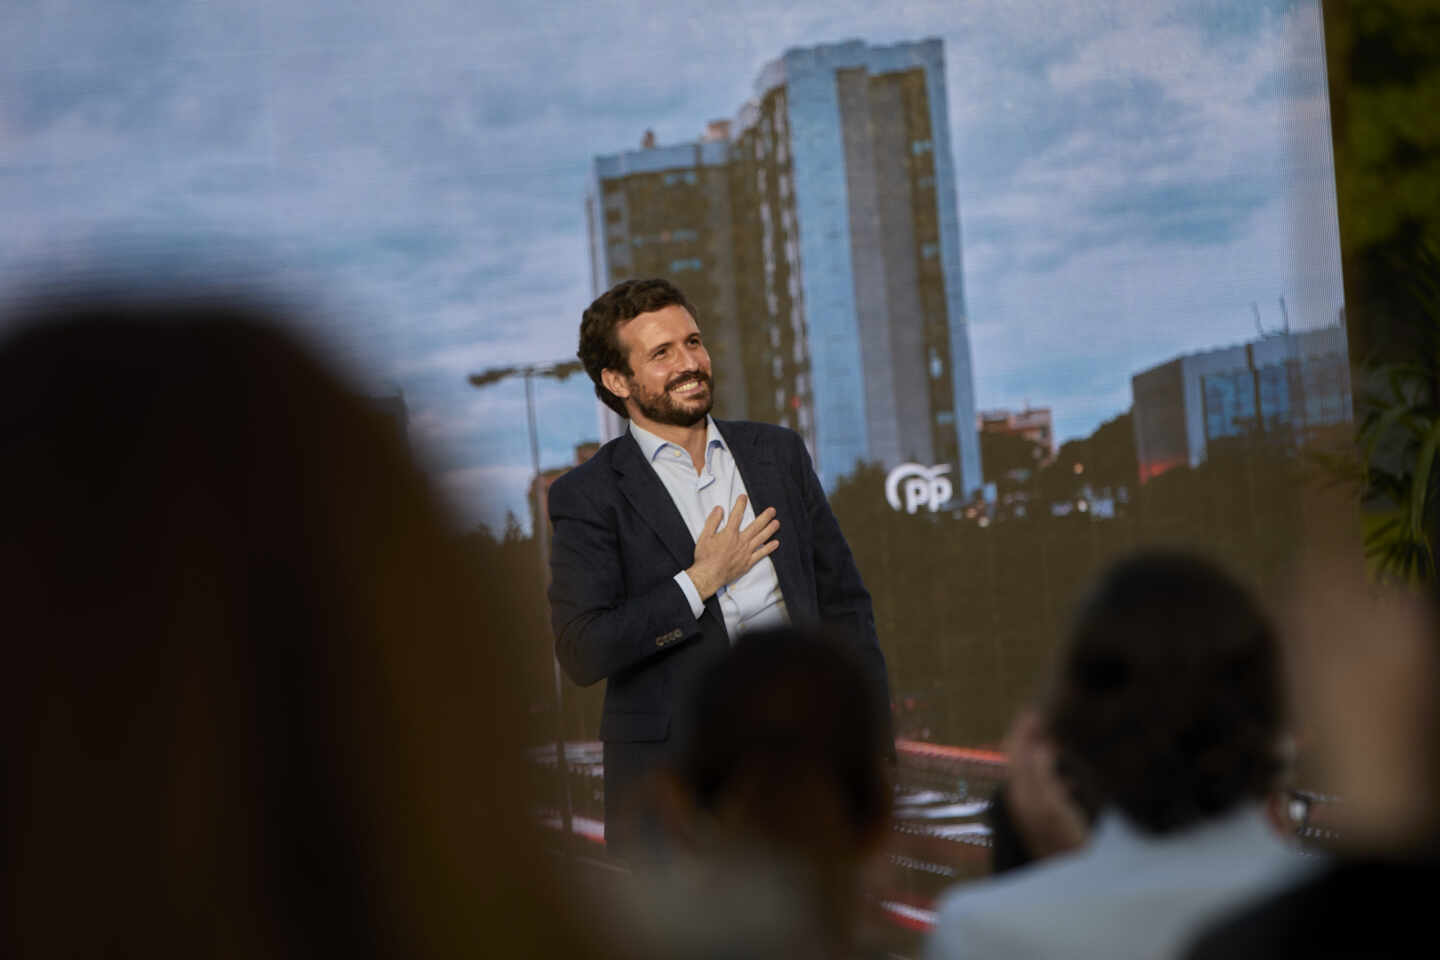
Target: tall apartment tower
pixel 819 236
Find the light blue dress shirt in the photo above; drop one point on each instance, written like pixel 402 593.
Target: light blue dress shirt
pixel 753 601
pixel 1126 895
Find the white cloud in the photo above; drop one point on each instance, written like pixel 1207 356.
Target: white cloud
pixel 422 167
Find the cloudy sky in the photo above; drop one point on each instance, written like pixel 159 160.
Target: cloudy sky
pixel 1133 175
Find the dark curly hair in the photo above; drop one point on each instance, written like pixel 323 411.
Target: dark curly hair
pixel 1168 701
pixel 788 707
pixel 600 324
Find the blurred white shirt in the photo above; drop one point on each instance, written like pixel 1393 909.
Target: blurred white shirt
pixel 1126 894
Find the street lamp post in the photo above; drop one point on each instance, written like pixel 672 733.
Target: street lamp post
pixel 560 372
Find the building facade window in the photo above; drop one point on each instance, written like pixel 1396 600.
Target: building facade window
pixel 665 236
pixel 1273 383
pixel 1229 403
pixel 1325 387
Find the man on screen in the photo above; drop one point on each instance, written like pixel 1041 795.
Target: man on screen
pixel 678 536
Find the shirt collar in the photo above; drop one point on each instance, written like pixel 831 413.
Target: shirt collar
pixel 651 445
pixel 1246 822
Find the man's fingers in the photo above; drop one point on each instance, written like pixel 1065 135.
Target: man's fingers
pixel 764 550
pixel 764 534
pixel 760 523
pixel 712 523
pixel 737 513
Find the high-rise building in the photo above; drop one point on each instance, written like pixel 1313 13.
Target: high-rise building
pixel 666 212
pixel 819 237
pixel 1282 384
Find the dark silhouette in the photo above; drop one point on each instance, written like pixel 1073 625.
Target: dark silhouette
pixel 1166 716
pixel 1369 908
pixel 779 799
pixel 254 701
pixel 1168 703
pixel 787 741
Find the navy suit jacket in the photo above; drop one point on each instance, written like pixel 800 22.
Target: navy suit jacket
pixel 618 614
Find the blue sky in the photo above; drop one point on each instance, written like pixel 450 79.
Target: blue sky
pixel 1132 175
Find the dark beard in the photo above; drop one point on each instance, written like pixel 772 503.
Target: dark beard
pixel 664 409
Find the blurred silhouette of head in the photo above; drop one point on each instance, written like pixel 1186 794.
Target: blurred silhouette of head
pixel 788 747
pixel 251 704
pixel 1168 702
pixel 781 796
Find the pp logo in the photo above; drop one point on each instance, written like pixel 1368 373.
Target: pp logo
pixel 924 486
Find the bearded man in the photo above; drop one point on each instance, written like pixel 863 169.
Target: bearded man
pixel 676 538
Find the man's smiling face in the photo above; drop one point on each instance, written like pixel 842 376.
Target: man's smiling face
pixel 670 379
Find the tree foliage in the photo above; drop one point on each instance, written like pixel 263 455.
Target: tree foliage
pixel 1103 461
pixel 1009 458
pixel 1383 66
pixel 1399 440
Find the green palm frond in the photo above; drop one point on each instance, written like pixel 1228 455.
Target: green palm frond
pixel 1330 469
pixel 1393 552
pixel 1398 440
pixel 1421 495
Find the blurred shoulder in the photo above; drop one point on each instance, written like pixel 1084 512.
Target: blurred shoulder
pixel 973 920
pixel 994 896
pixel 999 912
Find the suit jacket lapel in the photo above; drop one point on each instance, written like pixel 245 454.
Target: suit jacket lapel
pixel 767 486
pixel 643 489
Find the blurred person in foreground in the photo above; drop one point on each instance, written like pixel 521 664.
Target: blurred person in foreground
pixel 252 703
pixel 779 801
pixel 1167 715
pixel 665 549
pixel 1366 671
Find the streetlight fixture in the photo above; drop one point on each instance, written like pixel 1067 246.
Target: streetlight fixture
pixel 559 371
